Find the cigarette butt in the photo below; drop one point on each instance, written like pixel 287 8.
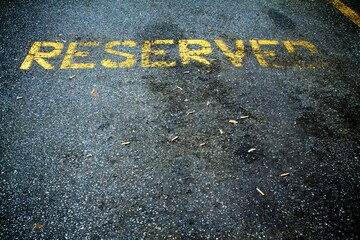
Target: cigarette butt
pixel 73 76
pixel 191 112
pixel 284 174
pixel 125 143
pixel 221 131
pixel 93 92
pixel 179 88
pixel 261 192
pixel 37 227
pixel 186 72
pixel 233 121
pixel 18 98
pixel 251 150
pixel 245 117
pixel 202 144
pixel 89 155
pixel 174 139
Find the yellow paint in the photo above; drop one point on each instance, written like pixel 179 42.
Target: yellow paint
pixel 35 54
pixel 190 50
pixel 290 46
pixel 72 52
pixel 147 52
pixel 195 54
pixel 348 12
pixel 130 58
pixel 261 54
pixel 237 58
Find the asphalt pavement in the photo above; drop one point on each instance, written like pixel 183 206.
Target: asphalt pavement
pixel 179 119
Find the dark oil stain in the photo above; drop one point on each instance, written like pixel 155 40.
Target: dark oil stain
pixel 200 84
pixel 351 117
pixel 298 60
pixel 314 124
pixel 201 81
pixel 102 206
pixel 280 20
pixel 71 157
pixel 243 154
pixel 348 112
pixel 162 30
pixel 157 85
pixel 104 126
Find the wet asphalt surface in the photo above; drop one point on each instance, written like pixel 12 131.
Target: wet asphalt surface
pixel 66 175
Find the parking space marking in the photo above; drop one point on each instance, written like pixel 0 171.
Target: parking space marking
pixel 37 56
pixel 186 54
pixel 260 54
pixel 130 58
pixel 152 53
pixel 348 12
pixel 73 52
pixel 237 58
pixel 147 52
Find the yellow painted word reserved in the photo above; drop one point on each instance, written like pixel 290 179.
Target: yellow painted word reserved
pixel 156 53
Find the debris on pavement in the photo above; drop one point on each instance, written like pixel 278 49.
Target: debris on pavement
pixel 284 174
pixel 251 150
pixel 93 92
pixel 174 138
pixel 261 192
pixel 37 227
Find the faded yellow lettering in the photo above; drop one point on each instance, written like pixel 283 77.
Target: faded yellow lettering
pixel 156 53
pixel 147 52
pixel 186 54
pixel 130 58
pixel 35 55
pixel 261 54
pixel 72 52
pixel 237 58
pixel 290 46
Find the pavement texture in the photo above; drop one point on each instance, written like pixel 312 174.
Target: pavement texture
pixel 187 172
